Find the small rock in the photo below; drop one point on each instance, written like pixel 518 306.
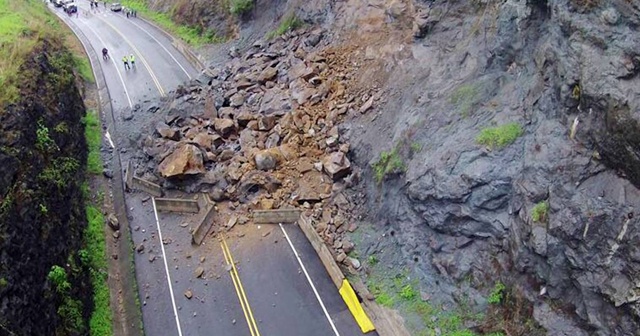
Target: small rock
pixel 152 258
pixel 237 99
pixel 266 160
pixel 367 105
pixel 424 296
pixel 232 221
pixel 108 173
pixel 318 166
pixel 113 222
pixel 199 272
pixel 184 224
pixel 341 257
pixel 610 16
pixel 116 234
pixel 352 227
pixel 355 263
pixel 224 126
pixel 145 199
pixel 188 294
pixel 202 259
pixel 267 74
pixel 233 321
pixel 266 233
pixel 114 256
pixel 140 248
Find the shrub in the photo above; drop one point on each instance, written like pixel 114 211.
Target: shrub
pixel 495 297
pixel 58 277
pixel 384 299
pixel 93 135
pixel 500 136
pixel 290 22
pixel 43 139
pixel 408 293
pixel 539 212
pixel 240 7
pixel 388 163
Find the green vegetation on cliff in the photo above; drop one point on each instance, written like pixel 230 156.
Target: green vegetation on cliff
pixel 47 230
pixel 194 35
pixel 24 23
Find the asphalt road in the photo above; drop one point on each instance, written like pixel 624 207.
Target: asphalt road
pixel 274 293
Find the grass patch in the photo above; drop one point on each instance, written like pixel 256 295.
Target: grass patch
pixel 539 212
pixel 425 318
pixel 23 23
pixel 95 253
pixel 388 163
pixel 93 134
pixel 193 35
pixel 290 22
pixel 500 136
pixel 465 97
pixel 497 293
pixel 84 68
pixel 240 7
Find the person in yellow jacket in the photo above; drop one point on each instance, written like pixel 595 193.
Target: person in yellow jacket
pixel 125 60
pixel 132 59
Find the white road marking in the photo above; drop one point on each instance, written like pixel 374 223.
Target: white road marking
pixel 166 268
pixel 165 49
pixel 124 86
pixel 315 291
pixel 108 136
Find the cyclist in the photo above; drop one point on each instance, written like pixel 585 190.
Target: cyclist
pixel 105 54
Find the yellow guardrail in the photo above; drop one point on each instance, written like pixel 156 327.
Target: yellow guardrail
pixel 350 298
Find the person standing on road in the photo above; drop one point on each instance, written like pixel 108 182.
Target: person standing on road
pixel 125 60
pixel 105 4
pixel 132 60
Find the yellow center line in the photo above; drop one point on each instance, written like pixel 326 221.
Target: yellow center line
pixel 235 277
pixel 153 76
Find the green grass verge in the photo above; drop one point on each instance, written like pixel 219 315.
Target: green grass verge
pixel 95 248
pixel 194 36
pixel 95 253
pixel 93 134
pixel 500 136
pixel 84 68
pixel 290 22
pixel 23 23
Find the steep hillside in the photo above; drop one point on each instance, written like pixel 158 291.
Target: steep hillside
pixel 44 282
pixel 491 152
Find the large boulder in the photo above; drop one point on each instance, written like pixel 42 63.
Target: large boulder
pixel 186 159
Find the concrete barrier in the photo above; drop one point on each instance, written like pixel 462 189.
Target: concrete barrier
pixel 276 216
pixel 203 227
pixel 177 205
pixel 323 252
pixel 128 176
pixel 146 186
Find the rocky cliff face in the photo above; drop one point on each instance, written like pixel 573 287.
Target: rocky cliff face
pixel 43 151
pixel 566 72
pixel 417 94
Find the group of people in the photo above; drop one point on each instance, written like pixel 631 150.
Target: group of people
pixel 94 4
pixel 129 61
pixel 131 12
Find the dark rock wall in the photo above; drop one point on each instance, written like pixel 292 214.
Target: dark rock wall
pixel 42 214
pixel 462 211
